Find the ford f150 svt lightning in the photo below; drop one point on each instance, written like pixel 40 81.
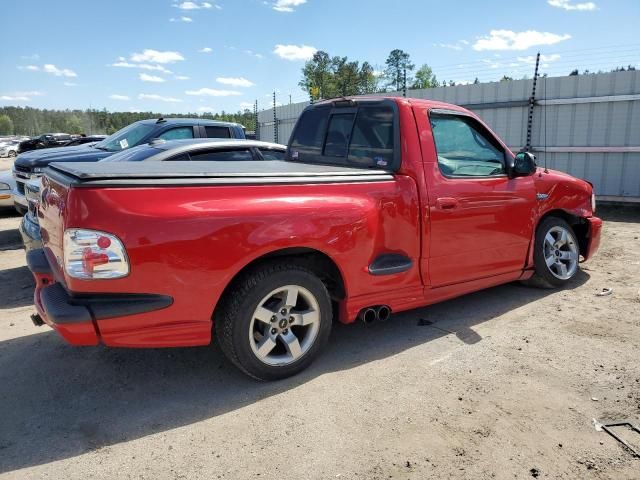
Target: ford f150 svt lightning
pixel 382 204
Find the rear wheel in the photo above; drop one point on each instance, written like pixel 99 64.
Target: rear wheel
pixel 12 153
pixel 556 254
pixel 275 321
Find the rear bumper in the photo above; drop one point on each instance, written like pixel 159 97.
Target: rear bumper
pixel 593 242
pixel 75 317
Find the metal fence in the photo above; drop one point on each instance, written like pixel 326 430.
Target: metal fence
pixel 585 125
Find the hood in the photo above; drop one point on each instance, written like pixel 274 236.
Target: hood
pixel 41 158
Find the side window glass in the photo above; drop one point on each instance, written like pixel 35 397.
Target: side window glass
pixel 229 155
pixel 177 133
pixel 217 132
pixel 464 150
pixel 271 154
pixel 338 135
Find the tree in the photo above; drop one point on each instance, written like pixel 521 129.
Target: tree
pixel 369 81
pixel 574 72
pixel 317 74
pixel 424 78
pixel 6 125
pixel 397 63
pixel 506 78
pixel 476 81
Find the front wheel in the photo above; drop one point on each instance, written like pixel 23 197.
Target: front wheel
pixel 557 254
pixel 275 321
pixel 12 153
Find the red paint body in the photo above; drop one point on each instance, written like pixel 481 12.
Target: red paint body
pixel 188 243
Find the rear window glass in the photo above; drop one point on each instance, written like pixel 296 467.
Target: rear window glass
pixel 243 155
pixel 217 132
pixel 362 136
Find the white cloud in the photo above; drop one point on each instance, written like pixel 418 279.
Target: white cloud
pixel 287 5
pixel 119 97
pixel 206 50
pixel 206 109
pixel 35 56
pixel 531 59
pixel 182 77
pixel 160 98
pixel 568 5
pixel 193 5
pixel 294 52
pixel 32 68
pixel 154 56
pixel 510 40
pixel 248 105
pixel 211 92
pixel 181 19
pixel 70 84
pixel 235 82
pixel 452 46
pixel 145 77
pixel 143 66
pixel 253 54
pixel 20 96
pixel 58 72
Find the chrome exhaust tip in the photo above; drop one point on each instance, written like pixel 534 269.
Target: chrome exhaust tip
pixel 368 315
pixel 383 313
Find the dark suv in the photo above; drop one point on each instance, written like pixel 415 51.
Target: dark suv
pixel 46 140
pixel 30 164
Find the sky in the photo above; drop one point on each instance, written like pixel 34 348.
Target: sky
pixel 175 56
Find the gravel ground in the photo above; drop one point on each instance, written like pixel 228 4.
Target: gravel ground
pixel 503 383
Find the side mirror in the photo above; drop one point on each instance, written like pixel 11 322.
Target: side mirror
pixel 524 164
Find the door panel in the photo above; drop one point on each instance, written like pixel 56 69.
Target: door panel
pixel 481 225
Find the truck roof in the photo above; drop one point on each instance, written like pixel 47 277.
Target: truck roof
pixel 421 102
pixel 190 121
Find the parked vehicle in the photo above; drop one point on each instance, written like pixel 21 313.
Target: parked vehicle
pixel 31 164
pixel 46 140
pixel 7 187
pixel 159 150
pixel 9 148
pixel 81 140
pixel 383 204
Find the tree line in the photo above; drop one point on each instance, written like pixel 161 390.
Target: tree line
pixel 35 121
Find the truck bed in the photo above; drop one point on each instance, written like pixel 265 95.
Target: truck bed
pixel 92 174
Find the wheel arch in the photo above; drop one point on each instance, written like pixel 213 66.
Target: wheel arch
pixel 315 260
pixel 578 223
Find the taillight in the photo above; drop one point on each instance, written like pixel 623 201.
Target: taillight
pixel 90 254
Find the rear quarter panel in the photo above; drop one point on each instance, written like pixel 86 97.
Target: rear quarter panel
pixel 189 242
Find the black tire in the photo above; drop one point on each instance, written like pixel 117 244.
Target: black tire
pixel 233 318
pixel 543 277
pixel 12 153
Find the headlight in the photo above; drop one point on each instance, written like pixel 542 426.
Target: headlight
pixel 593 203
pixel 37 170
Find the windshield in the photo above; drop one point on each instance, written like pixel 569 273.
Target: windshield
pixel 124 138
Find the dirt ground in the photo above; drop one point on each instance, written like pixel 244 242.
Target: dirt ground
pixel 504 383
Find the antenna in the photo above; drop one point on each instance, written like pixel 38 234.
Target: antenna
pixel 546 170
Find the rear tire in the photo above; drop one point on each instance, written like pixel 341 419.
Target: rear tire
pixel 12 153
pixel 556 255
pixel 275 321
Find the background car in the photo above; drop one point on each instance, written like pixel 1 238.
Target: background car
pixel 29 165
pixel 7 187
pixel 9 148
pixel 46 140
pixel 204 149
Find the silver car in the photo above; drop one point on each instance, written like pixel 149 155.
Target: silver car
pixel 7 189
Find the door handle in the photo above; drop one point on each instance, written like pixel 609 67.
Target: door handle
pixel 446 203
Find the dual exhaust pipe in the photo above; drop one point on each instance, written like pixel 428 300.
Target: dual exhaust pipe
pixel 370 314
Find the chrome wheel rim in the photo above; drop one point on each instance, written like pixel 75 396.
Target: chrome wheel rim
pixel 284 326
pixel 561 253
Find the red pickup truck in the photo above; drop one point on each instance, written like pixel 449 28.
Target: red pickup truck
pixel 382 205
